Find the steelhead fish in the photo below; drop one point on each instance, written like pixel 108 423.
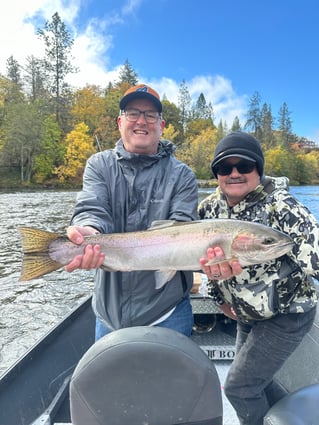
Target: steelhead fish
pixel 167 246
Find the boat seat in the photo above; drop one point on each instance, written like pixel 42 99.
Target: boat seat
pixel 145 375
pixel 297 408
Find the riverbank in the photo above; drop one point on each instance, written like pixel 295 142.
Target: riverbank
pixel 32 186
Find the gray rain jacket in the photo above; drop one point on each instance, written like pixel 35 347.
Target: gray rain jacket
pixel 124 192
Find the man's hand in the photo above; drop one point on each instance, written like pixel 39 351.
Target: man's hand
pixel 224 269
pixel 92 258
pixel 228 311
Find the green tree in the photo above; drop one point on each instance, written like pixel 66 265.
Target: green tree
pixel 51 152
pixel 266 127
pixel 107 131
pixel 11 85
pixel 23 135
pixel 58 44
pixel 201 110
pixel 253 122
pixel 184 104
pixel 14 72
pixel 36 80
pixel 285 125
pixel 221 131
pixel 127 75
pixel 236 124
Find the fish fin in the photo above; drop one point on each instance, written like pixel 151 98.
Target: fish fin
pixel 107 269
pixel 36 240
pixel 218 261
pixel 36 260
pixel 36 265
pixel 161 224
pixel 161 278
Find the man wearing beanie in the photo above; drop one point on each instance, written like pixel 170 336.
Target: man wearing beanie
pixel 125 189
pixel 274 303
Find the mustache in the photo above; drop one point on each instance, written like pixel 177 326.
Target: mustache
pixel 236 180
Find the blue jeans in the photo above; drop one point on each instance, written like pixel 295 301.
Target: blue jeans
pixel 261 349
pixel 181 320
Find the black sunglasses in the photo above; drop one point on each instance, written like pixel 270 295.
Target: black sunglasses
pixel 243 167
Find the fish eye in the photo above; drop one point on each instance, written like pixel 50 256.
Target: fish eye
pixel 269 241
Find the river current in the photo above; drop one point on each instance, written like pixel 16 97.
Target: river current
pixel 29 309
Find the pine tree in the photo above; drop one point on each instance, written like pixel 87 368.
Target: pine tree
pixel 236 124
pixel 285 125
pixel 14 71
pixel 184 104
pixel 254 114
pixel 266 127
pixel 58 45
pixel 202 110
pixel 127 75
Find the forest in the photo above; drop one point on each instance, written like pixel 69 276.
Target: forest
pixel 48 129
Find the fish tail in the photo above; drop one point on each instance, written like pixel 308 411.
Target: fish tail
pixel 36 260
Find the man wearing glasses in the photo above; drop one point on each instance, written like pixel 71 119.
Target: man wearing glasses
pixel 274 303
pixel 125 189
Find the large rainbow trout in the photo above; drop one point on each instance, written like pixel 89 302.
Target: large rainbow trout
pixel 166 247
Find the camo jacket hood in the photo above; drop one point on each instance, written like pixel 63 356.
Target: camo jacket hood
pixel 278 286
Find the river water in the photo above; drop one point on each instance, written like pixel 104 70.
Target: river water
pixel 29 309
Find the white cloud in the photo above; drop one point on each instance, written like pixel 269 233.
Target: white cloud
pixel 130 7
pixel 92 50
pixel 218 91
pixel 18 26
pixel 91 53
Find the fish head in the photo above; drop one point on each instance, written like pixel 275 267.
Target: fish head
pixel 259 245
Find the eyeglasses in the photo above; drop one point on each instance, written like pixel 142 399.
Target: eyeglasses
pixel 132 115
pixel 243 167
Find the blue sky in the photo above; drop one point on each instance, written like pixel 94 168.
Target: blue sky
pixel 227 49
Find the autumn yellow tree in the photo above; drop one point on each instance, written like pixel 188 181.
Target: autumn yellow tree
pixel 199 152
pixel 170 133
pixel 305 168
pixel 278 162
pixel 299 168
pixel 88 107
pixel 79 147
pixel 313 157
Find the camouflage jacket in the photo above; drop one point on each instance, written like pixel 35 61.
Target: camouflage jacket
pixel 282 285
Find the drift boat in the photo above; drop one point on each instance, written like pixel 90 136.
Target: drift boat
pixel 36 389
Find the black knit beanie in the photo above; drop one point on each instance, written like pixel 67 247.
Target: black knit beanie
pixel 242 145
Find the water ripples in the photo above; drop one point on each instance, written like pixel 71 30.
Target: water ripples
pixel 29 309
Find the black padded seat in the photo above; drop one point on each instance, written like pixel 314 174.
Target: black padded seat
pixel 145 376
pixel 298 408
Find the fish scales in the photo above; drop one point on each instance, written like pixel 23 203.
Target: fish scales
pixel 166 247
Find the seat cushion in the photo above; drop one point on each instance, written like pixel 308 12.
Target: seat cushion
pixel 298 408
pixel 145 375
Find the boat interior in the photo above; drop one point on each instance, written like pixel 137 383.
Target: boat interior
pixel 139 376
